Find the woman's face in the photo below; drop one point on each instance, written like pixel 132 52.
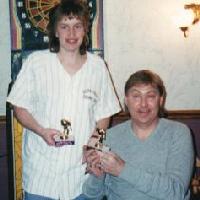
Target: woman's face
pixel 70 31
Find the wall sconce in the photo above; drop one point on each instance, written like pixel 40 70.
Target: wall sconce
pixel 190 19
pixel 196 11
pixel 185 30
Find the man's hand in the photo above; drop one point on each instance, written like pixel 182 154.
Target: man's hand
pixel 111 163
pixel 92 158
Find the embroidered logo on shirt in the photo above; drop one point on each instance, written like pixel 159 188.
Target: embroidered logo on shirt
pixel 90 94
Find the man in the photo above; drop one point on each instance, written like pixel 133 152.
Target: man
pixel 151 157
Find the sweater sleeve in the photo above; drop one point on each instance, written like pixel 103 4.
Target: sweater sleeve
pixel 93 187
pixel 174 182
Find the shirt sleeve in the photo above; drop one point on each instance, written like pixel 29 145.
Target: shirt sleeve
pixel 22 92
pixel 108 103
pixel 174 183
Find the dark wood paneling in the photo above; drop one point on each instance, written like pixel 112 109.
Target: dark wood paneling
pixel 3 120
pixel 3 160
pixel 172 114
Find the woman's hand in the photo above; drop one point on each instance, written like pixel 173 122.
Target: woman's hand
pixel 48 135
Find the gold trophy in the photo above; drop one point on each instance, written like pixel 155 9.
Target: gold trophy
pixel 97 141
pixel 65 137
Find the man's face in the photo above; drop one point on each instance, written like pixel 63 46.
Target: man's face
pixel 143 102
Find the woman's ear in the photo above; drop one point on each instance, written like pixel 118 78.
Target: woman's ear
pixel 56 34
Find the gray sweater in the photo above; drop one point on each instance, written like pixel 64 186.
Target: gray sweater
pixel 159 167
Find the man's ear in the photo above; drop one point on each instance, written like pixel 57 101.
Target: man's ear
pixel 161 101
pixel 125 101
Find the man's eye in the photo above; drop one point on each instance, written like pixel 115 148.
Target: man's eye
pixel 152 96
pixel 135 96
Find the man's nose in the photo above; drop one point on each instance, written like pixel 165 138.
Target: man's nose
pixel 143 101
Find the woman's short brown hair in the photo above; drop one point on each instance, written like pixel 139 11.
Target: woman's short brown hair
pixel 69 8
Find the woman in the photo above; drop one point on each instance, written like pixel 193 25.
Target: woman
pixel 64 82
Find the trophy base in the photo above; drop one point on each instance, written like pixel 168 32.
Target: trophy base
pixel 103 148
pixel 61 142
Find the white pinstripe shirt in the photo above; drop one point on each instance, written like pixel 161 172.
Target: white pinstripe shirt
pixel 49 93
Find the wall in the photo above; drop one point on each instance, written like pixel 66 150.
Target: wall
pixel 142 34
pixel 138 34
pixel 4 53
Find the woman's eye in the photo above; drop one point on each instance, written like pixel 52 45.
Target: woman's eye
pixel 78 26
pixel 63 27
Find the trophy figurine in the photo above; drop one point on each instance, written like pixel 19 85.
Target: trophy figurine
pixel 97 141
pixel 65 137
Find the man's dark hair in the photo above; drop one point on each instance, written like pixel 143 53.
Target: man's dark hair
pixel 71 9
pixel 148 77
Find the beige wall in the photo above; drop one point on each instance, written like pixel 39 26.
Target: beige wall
pixel 4 53
pixel 142 34
pixel 138 34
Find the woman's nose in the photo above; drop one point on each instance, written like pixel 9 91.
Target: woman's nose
pixel 72 32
